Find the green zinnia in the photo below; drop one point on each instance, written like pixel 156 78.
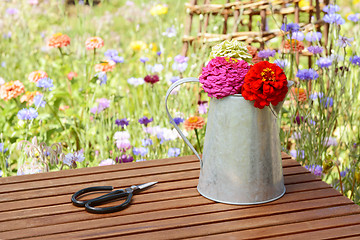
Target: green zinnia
pixel 231 49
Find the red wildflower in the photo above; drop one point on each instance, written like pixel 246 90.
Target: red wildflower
pixel 151 79
pixel 71 75
pixel 265 83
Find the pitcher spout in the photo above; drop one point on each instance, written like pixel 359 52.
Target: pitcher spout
pixel 278 107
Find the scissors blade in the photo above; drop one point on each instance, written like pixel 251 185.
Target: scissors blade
pixel 146 185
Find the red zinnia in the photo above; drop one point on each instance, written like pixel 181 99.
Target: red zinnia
pixel 265 83
pixel 151 79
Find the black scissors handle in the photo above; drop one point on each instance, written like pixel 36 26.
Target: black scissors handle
pixel 79 203
pixel 90 206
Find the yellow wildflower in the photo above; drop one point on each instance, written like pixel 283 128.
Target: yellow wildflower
pixel 153 47
pixel 304 3
pixel 356 2
pixel 159 9
pixel 138 45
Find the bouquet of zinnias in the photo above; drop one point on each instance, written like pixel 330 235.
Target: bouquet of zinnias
pixel 230 71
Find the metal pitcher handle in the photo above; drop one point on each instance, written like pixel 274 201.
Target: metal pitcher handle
pixel 174 85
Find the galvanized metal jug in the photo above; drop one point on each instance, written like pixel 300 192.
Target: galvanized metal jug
pixel 241 161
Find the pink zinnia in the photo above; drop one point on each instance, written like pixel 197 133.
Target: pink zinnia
pixel 223 76
pixel 37 75
pixel 94 42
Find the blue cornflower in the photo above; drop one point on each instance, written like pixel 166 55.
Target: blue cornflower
pixel 113 55
pixel 102 77
pixel 327 102
pixel 300 154
pixel 38 101
pixel 27 114
pixel 324 62
pixel 315 169
pixel 354 17
pixel 307 74
pixel 170 32
pixel 144 120
pixel 292 27
pixel 140 151
pixel 334 18
pixel 316 95
pixel 355 60
pixel 7 35
pixel 72 158
pixel 144 59
pixel 118 59
pixel 158 53
pixel 45 83
pixel 315 49
pixel 344 41
pixel 343 173
pixel 174 79
pixel 281 63
pixel 313 36
pixel 178 120
pixel 2 149
pixel 297 36
pixel 173 152
pixel 331 8
pixel 122 122
pixel 146 142
pixel 266 53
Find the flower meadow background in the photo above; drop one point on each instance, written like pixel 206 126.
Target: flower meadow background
pixel 84 85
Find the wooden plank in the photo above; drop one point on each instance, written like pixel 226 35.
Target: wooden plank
pixel 333 233
pixel 189 226
pixel 289 229
pixel 187 30
pixel 162 214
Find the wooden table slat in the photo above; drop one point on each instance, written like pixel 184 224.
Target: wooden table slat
pixel 288 229
pixel 333 233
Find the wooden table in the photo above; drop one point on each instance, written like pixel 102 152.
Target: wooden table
pixel 39 207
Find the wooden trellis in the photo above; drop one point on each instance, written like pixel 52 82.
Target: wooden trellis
pixel 246 9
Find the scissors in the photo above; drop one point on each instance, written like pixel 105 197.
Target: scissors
pixel 90 205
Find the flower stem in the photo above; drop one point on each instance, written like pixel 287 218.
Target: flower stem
pixel 341 187
pixel 197 139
